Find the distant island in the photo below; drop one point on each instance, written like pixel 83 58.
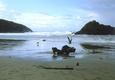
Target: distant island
pixel 12 27
pixel 95 28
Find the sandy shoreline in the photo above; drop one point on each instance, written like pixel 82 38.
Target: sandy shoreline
pixel 90 68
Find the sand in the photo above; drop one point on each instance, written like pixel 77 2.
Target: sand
pixel 94 67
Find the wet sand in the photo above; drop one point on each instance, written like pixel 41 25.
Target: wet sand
pixel 93 67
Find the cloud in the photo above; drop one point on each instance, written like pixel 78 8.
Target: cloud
pixel 83 15
pixel 2 7
pixel 103 6
pixel 40 21
pixel 72 20
pixel 43 21
pixel 5 12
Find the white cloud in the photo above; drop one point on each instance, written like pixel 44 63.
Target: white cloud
pixel 83 13
pixel 2 7
pixel 92 14
pixel 44 22
pixel 41 20
pixel 82 16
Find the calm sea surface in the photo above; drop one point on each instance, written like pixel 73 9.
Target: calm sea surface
pixel 39 45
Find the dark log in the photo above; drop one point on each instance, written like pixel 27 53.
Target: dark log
pixel 57 68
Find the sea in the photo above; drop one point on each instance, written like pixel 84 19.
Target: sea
pixel 38 45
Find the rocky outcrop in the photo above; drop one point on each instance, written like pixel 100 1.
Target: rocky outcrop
pixel 65 51
pixel 95 28
pixel 12 27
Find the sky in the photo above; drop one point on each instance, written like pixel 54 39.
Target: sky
pixel 57 15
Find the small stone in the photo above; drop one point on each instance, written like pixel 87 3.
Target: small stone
pixel 77 64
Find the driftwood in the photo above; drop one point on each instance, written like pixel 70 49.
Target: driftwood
pixel 56 68
pixel 65 51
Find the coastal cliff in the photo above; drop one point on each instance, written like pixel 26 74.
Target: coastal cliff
pixel 12 27
pixel 95 28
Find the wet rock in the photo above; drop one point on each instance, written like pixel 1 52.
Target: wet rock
pixel 66 50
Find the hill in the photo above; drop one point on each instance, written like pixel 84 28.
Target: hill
pixel 12 27
pixel 95 28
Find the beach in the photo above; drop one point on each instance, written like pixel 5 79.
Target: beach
pixel 57 40
pixel 22 59
pixel 93 67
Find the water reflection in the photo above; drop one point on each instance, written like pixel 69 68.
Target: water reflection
pixel 29 48
pixel 6 44
pixel 98 47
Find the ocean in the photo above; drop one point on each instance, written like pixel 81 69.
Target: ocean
pixel 38 46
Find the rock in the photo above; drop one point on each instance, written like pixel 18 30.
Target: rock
pixel 95 28
pixel 77 64
pixel 44 40
pixel 64 51
pixel 12 27
pixel 56 51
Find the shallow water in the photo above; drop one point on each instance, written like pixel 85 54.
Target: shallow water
pixel 26 45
